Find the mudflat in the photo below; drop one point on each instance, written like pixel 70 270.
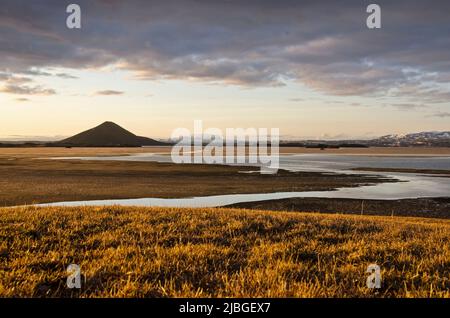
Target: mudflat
pixel 30 181
pixel 37 152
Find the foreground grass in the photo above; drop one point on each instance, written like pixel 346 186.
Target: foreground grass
pixel 156 252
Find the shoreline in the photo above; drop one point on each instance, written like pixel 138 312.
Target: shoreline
pixel 93 151
pixel 434 172
pixel 31 181
pixel 28 181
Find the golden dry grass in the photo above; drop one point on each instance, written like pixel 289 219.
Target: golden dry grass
pixel 161 252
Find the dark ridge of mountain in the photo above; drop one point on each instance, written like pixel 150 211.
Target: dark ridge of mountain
pixel 21 144
pixel 107 134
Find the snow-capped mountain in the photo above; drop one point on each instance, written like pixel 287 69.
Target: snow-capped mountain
pixel 428 138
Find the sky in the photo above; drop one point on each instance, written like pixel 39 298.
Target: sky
pixel 310 68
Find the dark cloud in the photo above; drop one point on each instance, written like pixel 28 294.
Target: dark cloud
pixel 324 45
pixel 408 106
pixel 441 115
pixel 21 85
pixel 22 99
pixel 26 90
pixel 423 92
pixel 14 79
pixel 35 72
pixel 109 93
pixel 66 76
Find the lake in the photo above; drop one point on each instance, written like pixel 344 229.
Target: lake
pixel 413 185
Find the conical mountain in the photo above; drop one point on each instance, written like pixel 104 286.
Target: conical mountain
pixel 108 134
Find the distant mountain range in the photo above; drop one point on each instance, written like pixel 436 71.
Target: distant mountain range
pixel 110 134
pixel 431 138
pixel 107 134
pixel 422 139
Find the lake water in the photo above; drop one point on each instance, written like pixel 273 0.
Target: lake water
pixel 316 162
pixel 413 185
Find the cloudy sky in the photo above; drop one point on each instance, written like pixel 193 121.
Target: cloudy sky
pixel 311 68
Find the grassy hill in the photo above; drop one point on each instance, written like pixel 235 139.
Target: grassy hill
pixel 160 252
pixel 107 134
